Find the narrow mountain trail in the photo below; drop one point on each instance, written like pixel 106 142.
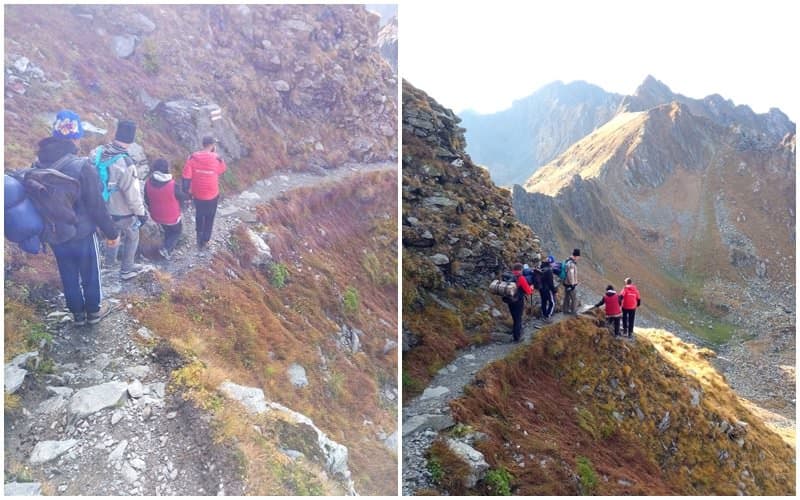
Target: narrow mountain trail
pixel 97 416
pixel 429 412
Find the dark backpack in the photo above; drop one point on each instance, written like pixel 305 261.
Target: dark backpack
pixel 53 195
pixel 556 267
pixel 534 277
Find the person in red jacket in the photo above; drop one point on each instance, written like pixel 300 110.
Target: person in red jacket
pixel 612 300
pixel 163 198
pixel 516 306
pixel 630 301
pixel 201 179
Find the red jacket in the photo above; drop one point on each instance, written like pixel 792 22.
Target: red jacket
pixel 164 206
pixel 611 300
pixel 630 297
pixel 523 283
pixel 203 169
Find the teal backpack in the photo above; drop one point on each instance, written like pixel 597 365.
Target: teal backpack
pixel 563 273
pixel 102 171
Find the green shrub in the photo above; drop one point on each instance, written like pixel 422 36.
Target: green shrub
pixel 499 481
pixel 586 475
pixel 435 468
pixel 351 301
pixel 278 274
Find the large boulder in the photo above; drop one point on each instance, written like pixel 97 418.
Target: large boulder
pixel 188 121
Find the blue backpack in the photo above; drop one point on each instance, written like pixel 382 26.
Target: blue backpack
pixel 102 171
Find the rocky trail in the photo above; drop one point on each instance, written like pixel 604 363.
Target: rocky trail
pixel 96 415
pixel 429 412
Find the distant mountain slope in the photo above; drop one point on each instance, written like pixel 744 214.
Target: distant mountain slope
pixel 513 143
pixel 674 199
pixel 459 232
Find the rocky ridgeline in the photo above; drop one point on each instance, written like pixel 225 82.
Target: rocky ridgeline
pixel 758 130
pixel 452 213
pixel 279 85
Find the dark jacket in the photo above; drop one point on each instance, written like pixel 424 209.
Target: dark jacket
pixel 90 208
pixel 547 277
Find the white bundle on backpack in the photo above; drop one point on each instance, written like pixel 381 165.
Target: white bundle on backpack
pixel 503 288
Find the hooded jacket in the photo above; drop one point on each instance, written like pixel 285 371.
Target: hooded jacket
pixel 630 297
pixel 162 195
pixel 90 209
pixel 612 301
pixel 126 195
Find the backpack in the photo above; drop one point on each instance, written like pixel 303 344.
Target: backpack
pixel 533 276
pixel 102 170
pixel 556 267
pixel 53 194
pixel 562 273
pixel 507 288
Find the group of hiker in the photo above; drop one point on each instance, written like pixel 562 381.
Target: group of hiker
pixel 110 196
pixel 541 277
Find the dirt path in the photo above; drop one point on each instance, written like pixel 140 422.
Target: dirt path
pixel 430 411
pixel 73 436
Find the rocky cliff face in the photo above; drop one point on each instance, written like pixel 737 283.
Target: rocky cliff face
pixel 459 232
pixel 513 143
pixel 284 86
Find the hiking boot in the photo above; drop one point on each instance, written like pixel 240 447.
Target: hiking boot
pixel 164 253
pixel 134 271
pixel 94 317
pixel 79 319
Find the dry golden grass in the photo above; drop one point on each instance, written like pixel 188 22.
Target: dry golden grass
pixel 250 332
pixel 581 381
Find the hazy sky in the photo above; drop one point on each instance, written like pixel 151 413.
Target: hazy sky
pixel 484 54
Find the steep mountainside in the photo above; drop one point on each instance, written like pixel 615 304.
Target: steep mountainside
pixel 298 87
pixel 676 200
pixel 578 412
pixel 267 364
pixel 515 142
pixel 699 210
pixel 459 232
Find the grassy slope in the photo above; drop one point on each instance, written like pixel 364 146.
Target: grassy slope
pixel 577 377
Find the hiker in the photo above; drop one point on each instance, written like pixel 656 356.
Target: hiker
pixel 201 179
pixel 571 283
pixel 630 301
pixel 547 288
pixel 516 306
pixel 78 258
pixel 125 203
pixel 612 300
pixel 163 197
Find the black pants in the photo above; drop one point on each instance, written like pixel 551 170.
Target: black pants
pixel 614 321
pixel 516 309
pixel 171 234
pixel 628 315
pixel 547 303
pixel 205 210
